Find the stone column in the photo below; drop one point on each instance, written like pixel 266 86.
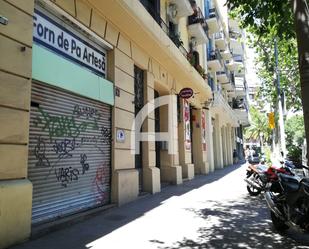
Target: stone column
pixel 15 95
pixel 199 143
pixel 230 145
pixel 171 171
pixel 218 137
pixel 224 145
pixel 209 141
pixel 151 174
pixel 123 160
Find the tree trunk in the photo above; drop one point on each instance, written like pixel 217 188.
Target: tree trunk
pixel 301 20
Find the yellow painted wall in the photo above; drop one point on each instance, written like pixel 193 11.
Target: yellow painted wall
pixel 15 85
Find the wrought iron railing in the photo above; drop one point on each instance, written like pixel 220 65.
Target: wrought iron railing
pixel 175 37
pixel 220 35
pixel 198 17
pixel 215 55
pixel 224 71
pixel 238 58
pixel 234 34
pixel 213 13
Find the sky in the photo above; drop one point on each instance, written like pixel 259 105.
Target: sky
pixel 251 76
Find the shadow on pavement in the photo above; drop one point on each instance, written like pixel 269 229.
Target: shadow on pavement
pixel 78 235
pixel 241 224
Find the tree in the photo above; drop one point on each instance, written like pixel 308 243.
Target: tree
pixel 259 128
pixel 295 133
pixel 290 82
pixel 285 19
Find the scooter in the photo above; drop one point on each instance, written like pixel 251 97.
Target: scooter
pixel 261 177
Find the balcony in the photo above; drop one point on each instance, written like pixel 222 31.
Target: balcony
pixel 197 27
pixel 226 54
pixel 243 117
pixel 239 62
pixel 223 76
pixel 178 9
pixel 213 21
pixel 193 58
pixel 240 87
pixel 232 65
pixel 220 40
pixel 146 31
pixel 233 25
pixel 214 61
pixel 235 44
pixel 241 110
pixel 220 105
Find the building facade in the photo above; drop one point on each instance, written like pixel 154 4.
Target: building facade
pixel 75 74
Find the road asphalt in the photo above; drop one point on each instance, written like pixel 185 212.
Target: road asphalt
pixel 212 211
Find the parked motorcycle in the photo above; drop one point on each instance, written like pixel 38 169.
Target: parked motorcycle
pixel 261 177
pixel 290 207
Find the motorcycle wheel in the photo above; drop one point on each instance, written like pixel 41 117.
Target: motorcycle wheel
pixel 278 224
pixel 253 191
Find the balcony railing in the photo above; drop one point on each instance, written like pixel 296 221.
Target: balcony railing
pixel 215 55
pixel 239 104
pixel 220 35
pixel 220 101
pixel 175 37
pixel 211 82
pixel 238 58
pixel 224 71
pixel 213 13
pixel 172 35
pixel 198 17
pixel 234 34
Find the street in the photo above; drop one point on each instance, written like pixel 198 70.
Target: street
pixel 212 211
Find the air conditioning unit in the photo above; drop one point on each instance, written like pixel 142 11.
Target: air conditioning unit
pixel 172 13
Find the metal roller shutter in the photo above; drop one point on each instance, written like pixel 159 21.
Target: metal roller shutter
pixel 69 153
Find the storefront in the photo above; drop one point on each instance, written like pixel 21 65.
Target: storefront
pixel 69 161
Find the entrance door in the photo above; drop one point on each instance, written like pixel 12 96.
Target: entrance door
pixel 139 103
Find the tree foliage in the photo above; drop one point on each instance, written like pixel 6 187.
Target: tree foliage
pixel 295 133
pixel 259 128
pixel 267 20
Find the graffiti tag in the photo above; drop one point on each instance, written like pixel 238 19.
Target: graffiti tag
pixel 64 147
pixel 63 125
pixel 85 166
pixel 40 154
pixel 66 175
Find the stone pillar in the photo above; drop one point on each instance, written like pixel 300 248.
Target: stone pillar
pixel 185 149
pixel 171 171
pixel 209 141
pixel 218 137
pixel 224 145
pixel 230 144
pixel 125 178
pixel 199 144
pixel 151 174
pixel 15 95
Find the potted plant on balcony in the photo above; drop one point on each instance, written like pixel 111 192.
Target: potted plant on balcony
pixel 201 71
pixel 191 59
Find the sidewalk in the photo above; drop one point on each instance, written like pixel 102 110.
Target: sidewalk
pixel 212 211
